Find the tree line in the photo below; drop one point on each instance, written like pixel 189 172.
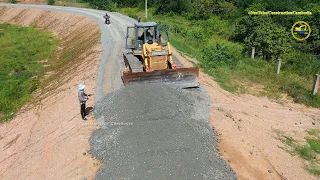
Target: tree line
pixel 270 35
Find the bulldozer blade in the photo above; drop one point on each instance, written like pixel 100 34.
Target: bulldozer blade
pixel 183 77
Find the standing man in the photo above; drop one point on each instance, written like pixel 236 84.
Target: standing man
pixel 83 97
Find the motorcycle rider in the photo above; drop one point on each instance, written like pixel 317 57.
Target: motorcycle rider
pixel 107 18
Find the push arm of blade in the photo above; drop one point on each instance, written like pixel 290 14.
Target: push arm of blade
pixel 144 50
pixel 145 58
pixel 170 57
pixel 169 48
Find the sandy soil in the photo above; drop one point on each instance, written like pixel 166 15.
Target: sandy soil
pixel 48 134
pixel 26 1
pixel 247 127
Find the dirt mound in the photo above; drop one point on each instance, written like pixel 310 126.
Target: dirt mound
pixel 48 139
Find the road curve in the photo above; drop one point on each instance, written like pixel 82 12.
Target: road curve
pixel 149 131
pixel 112 39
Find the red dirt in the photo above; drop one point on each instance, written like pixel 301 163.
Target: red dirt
pixel 48 139
pixel 26 1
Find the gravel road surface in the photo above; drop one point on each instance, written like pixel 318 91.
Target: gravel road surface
pixel 156 131
pixel 151 131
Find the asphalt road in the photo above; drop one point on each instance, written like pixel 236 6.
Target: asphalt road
pixel 151 131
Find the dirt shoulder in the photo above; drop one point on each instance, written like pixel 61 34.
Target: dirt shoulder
pixel 27 1
pixel 248 127
pixel 48 139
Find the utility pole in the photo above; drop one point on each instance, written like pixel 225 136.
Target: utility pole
pixel 146 9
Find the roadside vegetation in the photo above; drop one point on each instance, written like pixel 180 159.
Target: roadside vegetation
pixel 221 34
pixel 309 150
pixel 22 54
pixel 72 3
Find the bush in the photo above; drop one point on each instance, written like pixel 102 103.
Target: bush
pixel 13 1
pixel 133 15
pixel 218 55
pixel 301 63
pixel 217 26
pixel 51 2
pixel 301 94
pixel 167 6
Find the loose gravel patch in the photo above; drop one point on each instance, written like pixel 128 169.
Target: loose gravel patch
pixel 156 131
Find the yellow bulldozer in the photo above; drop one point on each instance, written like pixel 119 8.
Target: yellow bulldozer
pixel 150 59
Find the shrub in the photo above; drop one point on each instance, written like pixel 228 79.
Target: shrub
pixel 213 56
pixel 51 2
pixel 133 15
pixel 13 1
pixel 301 94
pixel 301 63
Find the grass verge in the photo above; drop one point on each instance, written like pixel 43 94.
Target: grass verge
pixel 73 3
pixel 309 150
pixel 22 53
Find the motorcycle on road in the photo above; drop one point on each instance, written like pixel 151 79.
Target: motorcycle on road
pixel 107 17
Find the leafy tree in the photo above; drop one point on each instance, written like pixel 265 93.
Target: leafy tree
pixel 269 39
pixel 203 9
pixel 243 4
pixel 102 4
pixel 168 6
pixel 229 11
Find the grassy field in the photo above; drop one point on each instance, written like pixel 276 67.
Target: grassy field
pixel 22 53
pixel 209 42
pixel 72 3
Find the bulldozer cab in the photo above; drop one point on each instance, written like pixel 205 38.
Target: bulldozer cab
pixel 150 58
pixel 145 33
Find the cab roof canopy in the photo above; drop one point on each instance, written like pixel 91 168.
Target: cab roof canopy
pixel 145 24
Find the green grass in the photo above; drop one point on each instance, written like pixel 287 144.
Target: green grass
pixel 289 141
pixel 314 145
pixel 314 169
pixel 308 150
pixel 314 132
pixel 20 70
pixel 72 3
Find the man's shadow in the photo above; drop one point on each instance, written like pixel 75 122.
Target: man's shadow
pixel 89 110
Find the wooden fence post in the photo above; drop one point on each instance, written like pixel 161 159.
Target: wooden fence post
pixel 253 52
pixel 315 84
pixel 278 64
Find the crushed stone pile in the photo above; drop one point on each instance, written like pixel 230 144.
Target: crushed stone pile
pixel 156 131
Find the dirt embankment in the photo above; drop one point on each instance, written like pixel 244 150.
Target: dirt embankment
pixel 48 139
pixel 248 127
pixel 26 1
